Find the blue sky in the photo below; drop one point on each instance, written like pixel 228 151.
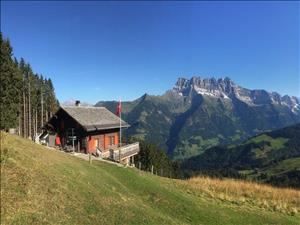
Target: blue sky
pixel 109 50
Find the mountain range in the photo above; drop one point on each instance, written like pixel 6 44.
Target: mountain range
pixel 199 113
pixel 272 157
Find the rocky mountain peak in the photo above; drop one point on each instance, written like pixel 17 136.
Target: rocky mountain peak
pixel 207 86
pixel 225 88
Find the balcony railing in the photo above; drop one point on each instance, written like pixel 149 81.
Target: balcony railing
pixel 124 151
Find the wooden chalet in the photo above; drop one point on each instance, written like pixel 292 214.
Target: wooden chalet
pixel 90 130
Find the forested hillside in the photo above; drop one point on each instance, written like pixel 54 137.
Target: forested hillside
pixel 272 157
pixel 153 159
pixel 27 98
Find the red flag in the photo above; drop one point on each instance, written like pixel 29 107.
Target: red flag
pixel 119 108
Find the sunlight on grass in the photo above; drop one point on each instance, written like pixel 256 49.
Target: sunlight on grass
pixel 237 191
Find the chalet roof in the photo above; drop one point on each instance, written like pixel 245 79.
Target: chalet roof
pixel 94 118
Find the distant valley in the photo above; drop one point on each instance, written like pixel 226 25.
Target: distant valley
pixel 199 113
pixel 272 157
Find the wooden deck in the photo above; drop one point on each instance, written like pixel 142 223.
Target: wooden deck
pixel 125 152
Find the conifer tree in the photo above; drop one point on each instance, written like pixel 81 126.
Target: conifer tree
pixel 10 82
pixel 26 99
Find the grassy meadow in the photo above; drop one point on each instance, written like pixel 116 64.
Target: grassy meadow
pixel 44 186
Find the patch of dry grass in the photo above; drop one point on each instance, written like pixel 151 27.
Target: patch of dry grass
pixel 247 193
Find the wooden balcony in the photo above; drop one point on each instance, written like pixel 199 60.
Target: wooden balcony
pixel 124 152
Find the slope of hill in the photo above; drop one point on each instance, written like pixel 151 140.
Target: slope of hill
pixel 272 157
pixel 44 186
pixel 200 113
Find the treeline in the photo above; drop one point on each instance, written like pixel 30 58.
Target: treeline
pixel 153 159
pixel 27 99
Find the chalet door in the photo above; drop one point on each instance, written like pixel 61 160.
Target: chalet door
pixel 83 144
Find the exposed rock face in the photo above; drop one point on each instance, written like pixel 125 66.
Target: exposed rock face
pixel 227 89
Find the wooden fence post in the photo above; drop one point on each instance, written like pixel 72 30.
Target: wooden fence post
pixel 90 158
pixel 152 169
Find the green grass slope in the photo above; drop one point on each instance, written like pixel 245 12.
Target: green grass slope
pixel 43 186
pixel 272 157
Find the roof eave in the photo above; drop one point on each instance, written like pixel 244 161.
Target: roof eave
pixel 95 128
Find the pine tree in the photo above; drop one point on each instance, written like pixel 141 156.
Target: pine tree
pixel 27 99
pixel 35 102
pixel 150 155
pixel 51 98
pixel 10 82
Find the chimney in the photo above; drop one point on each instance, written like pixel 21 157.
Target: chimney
pixel 77 103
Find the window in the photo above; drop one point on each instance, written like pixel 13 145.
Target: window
pixel 111 140
pixel 97 143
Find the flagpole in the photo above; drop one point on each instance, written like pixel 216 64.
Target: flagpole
pixel 120 112
pixel 120 123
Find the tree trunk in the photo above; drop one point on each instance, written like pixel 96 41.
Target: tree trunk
pixel 33 126
pixel 46 116
pixel 42 108
pixel 20 119
pixel 24 114
pixel 36 121
pixel 29 110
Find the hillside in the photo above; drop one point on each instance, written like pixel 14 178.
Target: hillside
pixel 272 157
pixel 200 113
pixel 44 186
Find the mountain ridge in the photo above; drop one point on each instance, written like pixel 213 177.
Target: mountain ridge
pixel 227 89
pixel 199 113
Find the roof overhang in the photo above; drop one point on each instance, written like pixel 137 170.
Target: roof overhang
pixel 104 127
